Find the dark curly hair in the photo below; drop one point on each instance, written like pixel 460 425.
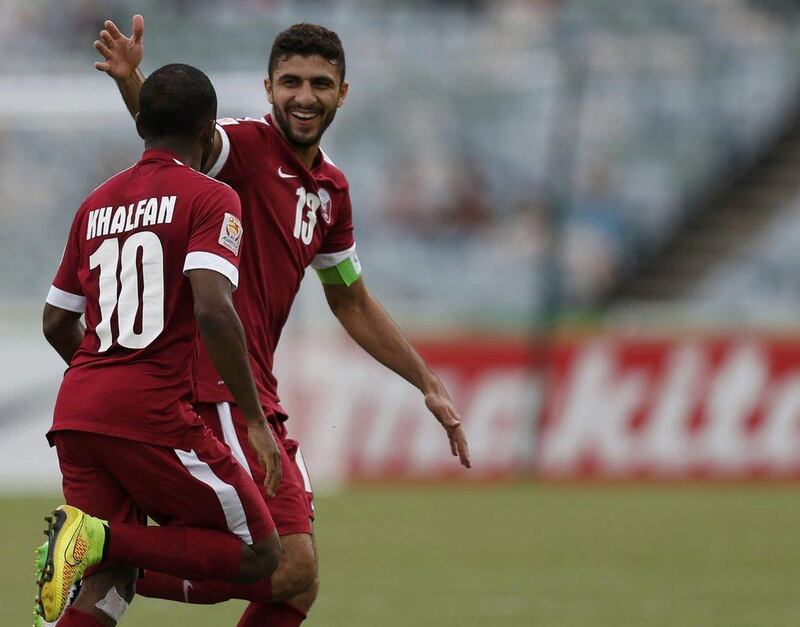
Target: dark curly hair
pixel 306 40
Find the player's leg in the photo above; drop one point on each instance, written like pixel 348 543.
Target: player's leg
pixel 78 541
pixel 292 507
pixel 204 488
pixel 295 581
pixel 103 599
pixel 288 607
pixel 288 582
pixel 296 577
pixel 192 552
pixel 89 487
pixel 214 522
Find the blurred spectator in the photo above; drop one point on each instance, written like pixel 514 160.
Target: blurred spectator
pixel 593 240
pixel 460 113
pixel 466 207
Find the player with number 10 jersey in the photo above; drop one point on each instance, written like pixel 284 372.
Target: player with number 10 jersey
pixel 124 262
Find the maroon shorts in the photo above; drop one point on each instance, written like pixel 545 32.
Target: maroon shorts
pixel 126 481
pixel 292 507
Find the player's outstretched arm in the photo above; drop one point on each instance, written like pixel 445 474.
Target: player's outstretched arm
pixel 373 329
pixel 121 58
pixel 223 336
pixel 63 330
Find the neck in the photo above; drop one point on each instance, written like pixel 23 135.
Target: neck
pixel 185 151
pixel 306 154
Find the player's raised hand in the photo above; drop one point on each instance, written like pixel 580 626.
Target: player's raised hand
pixel 121 54
pixel 260 437
pixel 441 406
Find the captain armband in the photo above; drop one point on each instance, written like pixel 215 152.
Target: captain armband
pixel 342 268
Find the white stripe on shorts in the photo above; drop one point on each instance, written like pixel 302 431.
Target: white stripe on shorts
pixel 301 464
pixel 229 435
pixel 228 497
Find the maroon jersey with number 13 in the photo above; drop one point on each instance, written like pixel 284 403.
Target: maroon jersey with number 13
pixel 296 217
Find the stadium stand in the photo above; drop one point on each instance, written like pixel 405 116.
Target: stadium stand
pixel 553 147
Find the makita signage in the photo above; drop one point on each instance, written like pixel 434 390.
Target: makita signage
pixel 630 408
pixel 606 407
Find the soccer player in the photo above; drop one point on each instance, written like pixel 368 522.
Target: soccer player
pixel 152 257
pixel 297 206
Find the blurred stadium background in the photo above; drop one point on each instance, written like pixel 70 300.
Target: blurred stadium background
pixel 587 214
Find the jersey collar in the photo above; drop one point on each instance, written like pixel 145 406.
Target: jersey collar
pixel 160 154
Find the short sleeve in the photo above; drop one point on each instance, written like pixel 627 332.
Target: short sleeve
pixel 340 236
pixel 337 261
pixel 216 233
pixel 66 291
pixel 241 149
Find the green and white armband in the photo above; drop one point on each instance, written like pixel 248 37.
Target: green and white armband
pixel 342 268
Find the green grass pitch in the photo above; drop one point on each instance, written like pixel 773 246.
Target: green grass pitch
pixel 513 555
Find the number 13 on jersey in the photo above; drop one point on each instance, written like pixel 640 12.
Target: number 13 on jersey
pixel 304 224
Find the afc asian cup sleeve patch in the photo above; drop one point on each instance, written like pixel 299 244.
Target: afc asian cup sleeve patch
pixel 230 235
pixel 325 204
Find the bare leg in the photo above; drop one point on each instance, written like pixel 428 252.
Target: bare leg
pixel 296 579
pixel 96 587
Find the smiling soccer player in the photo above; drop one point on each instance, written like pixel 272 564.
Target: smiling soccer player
pixel 296 205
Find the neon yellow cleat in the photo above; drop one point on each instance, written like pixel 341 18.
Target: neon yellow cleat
pixel 75 541
pixel 40 557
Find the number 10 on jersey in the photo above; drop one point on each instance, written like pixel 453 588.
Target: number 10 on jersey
pixel 124 298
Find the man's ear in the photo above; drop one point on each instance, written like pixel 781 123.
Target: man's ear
pixel 268 88
pixel 344 89
pixel 211 128
pixel 207 136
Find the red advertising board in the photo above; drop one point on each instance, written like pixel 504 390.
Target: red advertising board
pixel 726 407
pixel 601 407
pixel 357 420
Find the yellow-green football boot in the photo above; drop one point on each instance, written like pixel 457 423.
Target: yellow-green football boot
pixel 75 541
pixel 40 556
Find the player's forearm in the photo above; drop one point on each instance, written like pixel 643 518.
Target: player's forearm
pixel 372 328
pixel 129 90
pixel 224 339
pixel 65 339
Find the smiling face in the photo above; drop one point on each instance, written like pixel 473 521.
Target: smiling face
pixel 305 92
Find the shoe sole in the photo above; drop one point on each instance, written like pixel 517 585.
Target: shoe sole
pixel 54 524
pixel 39 557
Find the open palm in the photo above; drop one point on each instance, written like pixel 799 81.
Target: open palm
pixel 122 54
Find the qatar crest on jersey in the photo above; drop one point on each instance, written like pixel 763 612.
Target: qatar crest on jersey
pixel 325 204
pixel 230 235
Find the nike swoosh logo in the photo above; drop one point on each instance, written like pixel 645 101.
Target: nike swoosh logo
pixel 283 174
pixel 72 543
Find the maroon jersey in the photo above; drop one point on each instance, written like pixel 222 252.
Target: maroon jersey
pixel 295 217
pixel 123 266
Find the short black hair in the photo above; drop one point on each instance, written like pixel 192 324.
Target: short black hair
pixel 176 100
pixel 307 40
